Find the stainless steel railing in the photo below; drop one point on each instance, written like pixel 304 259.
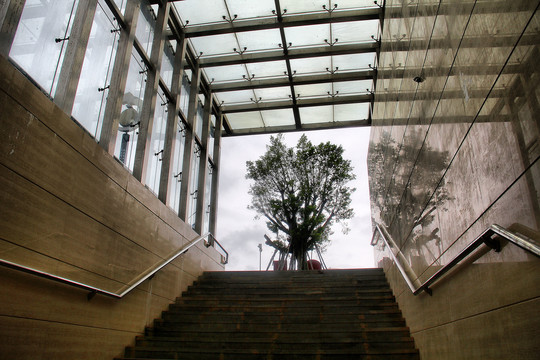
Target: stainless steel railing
pixel 128 287
pixel 488 237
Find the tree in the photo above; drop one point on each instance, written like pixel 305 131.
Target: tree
pixel 301 192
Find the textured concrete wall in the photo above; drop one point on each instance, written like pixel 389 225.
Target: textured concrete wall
pixel 69 208
pixel 451 155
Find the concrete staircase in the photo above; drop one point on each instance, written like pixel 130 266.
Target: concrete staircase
pixel 335 314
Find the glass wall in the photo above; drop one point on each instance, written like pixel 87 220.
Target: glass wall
pixel 208 197
pixel 97 68
pixel 167 62
pixel 128 126
pixel 157 144
pixel 41 40
pixel 178 159
pixel 199 118
pixel 193 191
pixel 184 92
pixel 211 136
pixel 145 26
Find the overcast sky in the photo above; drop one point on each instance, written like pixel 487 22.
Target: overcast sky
pixel 240 233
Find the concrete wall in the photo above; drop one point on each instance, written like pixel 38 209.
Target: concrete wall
pixel 451 155
pixel 69 208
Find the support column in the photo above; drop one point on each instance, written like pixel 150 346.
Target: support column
pixel 172 121
pixel 203 164
pixel 73 59
pixel 109 129
pixel 215 178
pixel 188 150
pixel 150 96
pixel 10 16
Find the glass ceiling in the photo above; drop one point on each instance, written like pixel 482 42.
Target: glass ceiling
pixel 285 65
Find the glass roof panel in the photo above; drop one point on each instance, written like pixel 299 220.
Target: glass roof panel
pixel 307 35
pixel 250 9
pixel 354 61
pixel 245 120
pixel 235 97
pixel 280 117
pixel 313 90
pixel 316 114
pixel 269 94
pixel 259 40
pixel 267 69
pixel 213 11
pixel 213 45
pixel 346 112
pixel 355 31
pixel 311 65
pixel 353 87
pixel 295 6
pixel 225 73
pixel 349 4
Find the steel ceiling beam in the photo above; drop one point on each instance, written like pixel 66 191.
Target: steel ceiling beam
pixel 292 128
pixel 272 22
pixel 286 104
pixel 297 80
pixel 295 53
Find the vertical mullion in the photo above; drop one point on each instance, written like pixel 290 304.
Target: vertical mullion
pixel 142 152
pixel 172 122
pixel 188 149
pixel 10 16
pixel 215 176
pixel 203 163
pixel 109 129
pixel 73 59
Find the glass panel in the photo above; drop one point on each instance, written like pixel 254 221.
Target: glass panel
pixel 90 101
pixel 167 62
pixel 145 26
pixel 312 65
pixel 273 94
pixel 121 5
pixel 192 206
pixel 235 97
pixel 249 8
pixel 128 129
pixel 301 36
pixel 213 11
pixel 184 93
pixel 348 4
pixel 259 40
pixel 199 119
pixel 212 136
pixel 39 45
pixel 347 112
pixel 245 120
pixel 267 69
pixel 355 31
pixel 313 90
pixel 353 87
pixel 282 117
pixel 178 159
pixel 157 143
pixel 207 197
pixel 214 45
pixel 354 61
pixel 225 73
pixel 316 114
pixel 295 6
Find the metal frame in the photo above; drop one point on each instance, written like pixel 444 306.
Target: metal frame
pixel 489 237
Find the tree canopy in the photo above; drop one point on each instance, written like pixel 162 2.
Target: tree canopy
pixel 301 192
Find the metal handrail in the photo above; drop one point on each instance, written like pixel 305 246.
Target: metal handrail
pixel 143 277
pixel 488 237
pixel 213 242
